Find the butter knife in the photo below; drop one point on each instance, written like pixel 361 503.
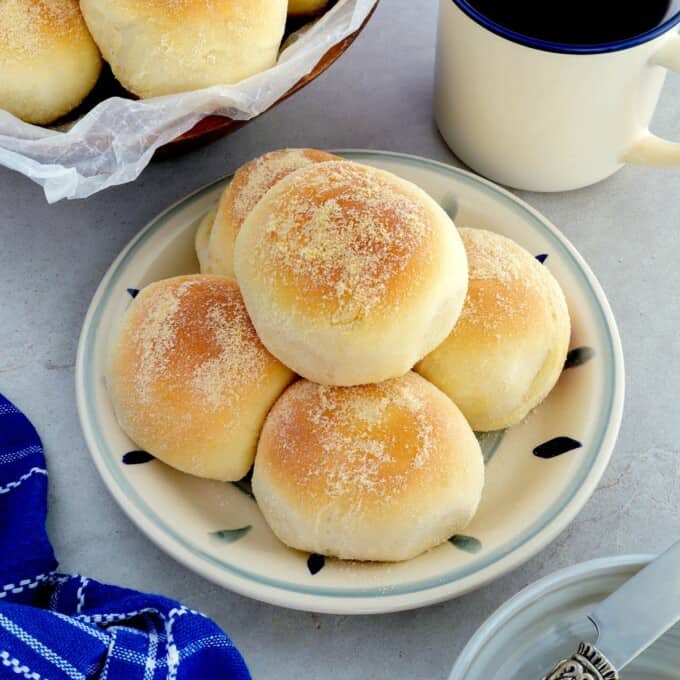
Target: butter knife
pixel 627 622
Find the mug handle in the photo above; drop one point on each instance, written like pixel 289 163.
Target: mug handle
pixel 650 149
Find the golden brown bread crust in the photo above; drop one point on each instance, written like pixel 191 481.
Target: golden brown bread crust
pixel 249 184
pixel 508 347
pixel 30 25
pixel 254 179
pixel 370 446
pixel 344 240
pixel 38 40
pixel 335 464
pixel 190 381
pixel 338 258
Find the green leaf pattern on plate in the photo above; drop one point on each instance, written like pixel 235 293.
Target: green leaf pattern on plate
pixel 489 442
pixel 232 535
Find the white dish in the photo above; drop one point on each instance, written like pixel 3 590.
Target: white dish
pixel 527 501
pixel 544 623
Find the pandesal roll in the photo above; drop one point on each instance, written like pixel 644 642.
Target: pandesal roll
pixel 158 47
pixel 189 379
pixel 509 345
pixel 249 184
pixel 48 60
pixel 349 273
pixel 376 472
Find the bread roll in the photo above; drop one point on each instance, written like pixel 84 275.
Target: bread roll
pixel 509 345
pixel 377 472
pixel 350 274
pixel 303 7
pixel 189 380
pixel 248 186
pixel 48 60
pixel 158 47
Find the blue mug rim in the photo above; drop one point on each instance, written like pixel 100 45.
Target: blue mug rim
pixel 565 48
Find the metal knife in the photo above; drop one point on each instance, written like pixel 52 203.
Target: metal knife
pixel 627 622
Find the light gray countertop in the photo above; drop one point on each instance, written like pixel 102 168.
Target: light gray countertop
pixel 379 96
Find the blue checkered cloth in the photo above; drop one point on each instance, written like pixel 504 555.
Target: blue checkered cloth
pixel 54 626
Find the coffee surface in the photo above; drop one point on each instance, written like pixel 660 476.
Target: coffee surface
pixel 578 22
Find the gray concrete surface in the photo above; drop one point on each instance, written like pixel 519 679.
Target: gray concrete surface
pixel 378 96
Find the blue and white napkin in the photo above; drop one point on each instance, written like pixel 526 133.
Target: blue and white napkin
pixel 55 626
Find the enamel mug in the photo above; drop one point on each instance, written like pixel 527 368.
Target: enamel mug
pixel 546 116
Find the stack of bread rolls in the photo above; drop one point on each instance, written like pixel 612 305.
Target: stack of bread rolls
pixel 346 339
pixel 51 50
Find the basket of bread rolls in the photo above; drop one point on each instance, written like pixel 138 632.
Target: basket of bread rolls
pixel 91 90
pixel 340 346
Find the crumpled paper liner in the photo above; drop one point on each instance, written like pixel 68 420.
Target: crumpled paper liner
pixel 115 141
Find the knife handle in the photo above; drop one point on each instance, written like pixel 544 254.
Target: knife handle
pixel 587 664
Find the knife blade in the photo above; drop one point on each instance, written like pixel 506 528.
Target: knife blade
pixel 629 620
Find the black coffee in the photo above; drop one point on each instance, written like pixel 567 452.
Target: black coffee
pixel 578 22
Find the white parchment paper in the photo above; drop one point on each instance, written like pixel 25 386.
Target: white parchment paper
pixel 115 141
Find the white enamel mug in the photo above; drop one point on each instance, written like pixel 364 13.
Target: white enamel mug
pixel 544 116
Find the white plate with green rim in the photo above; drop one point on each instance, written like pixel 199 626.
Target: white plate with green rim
pixel 217 530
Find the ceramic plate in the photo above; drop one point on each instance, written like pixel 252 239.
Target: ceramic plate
pixel 539 474
pixel 546 621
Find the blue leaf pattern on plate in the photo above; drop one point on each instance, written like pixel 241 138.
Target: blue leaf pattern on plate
pixel 542 257
pixel 315 563
pixel 556 447
pixel 133 292
pixel 137 457
pixel 578 356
